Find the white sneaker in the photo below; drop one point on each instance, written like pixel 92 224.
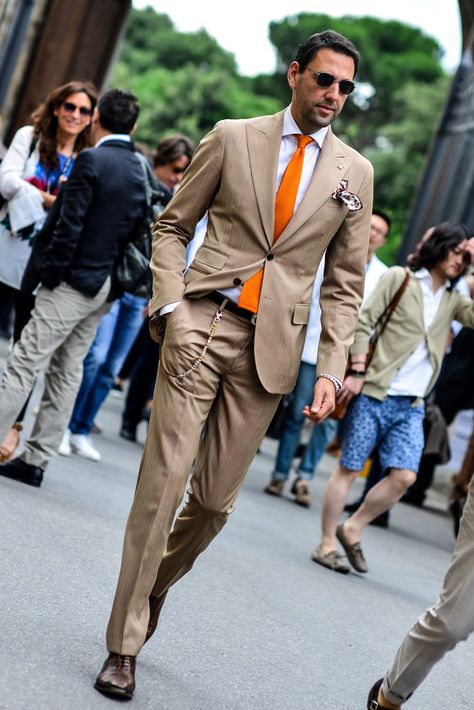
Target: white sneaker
pixel 65 446
pixel 82 446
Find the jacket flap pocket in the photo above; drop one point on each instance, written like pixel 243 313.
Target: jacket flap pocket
pixel 301 314
pixel 211 257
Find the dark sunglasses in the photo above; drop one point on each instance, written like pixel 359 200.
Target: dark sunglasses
pixel 71 108
pixel 325 80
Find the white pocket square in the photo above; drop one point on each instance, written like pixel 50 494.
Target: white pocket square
pixel 349 199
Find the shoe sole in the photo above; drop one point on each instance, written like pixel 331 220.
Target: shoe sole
pixel 303 503
pixel 80 453
pixel 339 570
pixel 114 692
pixel 272 493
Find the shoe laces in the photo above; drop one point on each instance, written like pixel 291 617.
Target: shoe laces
pixel 120 661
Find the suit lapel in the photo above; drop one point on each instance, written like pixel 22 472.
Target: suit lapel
pixel 263 143
pixel 331 167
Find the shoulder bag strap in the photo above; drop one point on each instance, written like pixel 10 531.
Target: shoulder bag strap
pixel 386 315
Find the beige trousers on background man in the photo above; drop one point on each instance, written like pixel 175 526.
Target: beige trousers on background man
pixel 217 415
pixel 442 627
pixel 55 340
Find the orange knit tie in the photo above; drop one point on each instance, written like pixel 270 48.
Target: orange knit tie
pixel 284 208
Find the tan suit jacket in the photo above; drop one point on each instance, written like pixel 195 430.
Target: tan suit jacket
pixel 233 176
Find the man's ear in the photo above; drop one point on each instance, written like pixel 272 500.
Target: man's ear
pixel 293 70
pixel 95 120
pixel 135 126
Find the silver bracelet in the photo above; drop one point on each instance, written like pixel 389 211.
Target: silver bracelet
pixel 333 379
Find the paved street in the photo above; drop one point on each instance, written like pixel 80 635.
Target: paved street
pixel 255 626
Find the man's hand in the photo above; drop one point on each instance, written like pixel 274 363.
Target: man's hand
pixel 351 387
pixel 157 326
pixel 469 248
pixel 324 401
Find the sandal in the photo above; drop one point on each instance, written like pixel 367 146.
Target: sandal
pixel 10 443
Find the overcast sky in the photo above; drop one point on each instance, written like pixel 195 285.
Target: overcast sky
pixel 242 26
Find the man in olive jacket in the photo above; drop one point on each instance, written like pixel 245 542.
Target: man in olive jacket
pixel 389 411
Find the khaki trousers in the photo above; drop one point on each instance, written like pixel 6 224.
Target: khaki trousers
pixel 55 340
pixel 442 627
pixel 215 415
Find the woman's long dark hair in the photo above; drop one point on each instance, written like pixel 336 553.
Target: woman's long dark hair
pixel 45 123
pixel 443 239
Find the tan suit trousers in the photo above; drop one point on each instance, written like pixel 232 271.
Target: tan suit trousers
pixel 442 627
pixel 216 416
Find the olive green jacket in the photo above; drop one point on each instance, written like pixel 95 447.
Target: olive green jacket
pixel 405 330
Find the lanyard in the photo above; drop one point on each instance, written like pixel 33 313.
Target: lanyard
pixel 52 182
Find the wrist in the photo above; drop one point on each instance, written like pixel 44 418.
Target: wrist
pixel 337 384
pixel 356 373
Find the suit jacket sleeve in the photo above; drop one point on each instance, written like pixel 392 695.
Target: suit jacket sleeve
pixel 175 228
pixel 343 285
pixel 76 198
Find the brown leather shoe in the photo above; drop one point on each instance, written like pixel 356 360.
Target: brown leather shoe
pixel 300 490
pixel 156 604
pixel 117 677
pixel 274 488
pixel 354 552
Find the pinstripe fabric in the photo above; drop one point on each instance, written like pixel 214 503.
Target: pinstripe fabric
pixel 151 560
pixel 284 207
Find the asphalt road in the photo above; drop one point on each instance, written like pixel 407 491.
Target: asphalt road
pixel 255 626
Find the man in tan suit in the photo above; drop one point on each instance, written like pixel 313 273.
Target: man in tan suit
pixel 280 191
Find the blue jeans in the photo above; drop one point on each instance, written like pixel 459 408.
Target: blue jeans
pixel 114 338
pixel 290 438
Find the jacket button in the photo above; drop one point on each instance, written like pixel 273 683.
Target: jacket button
pixel 237 282
pixel 270 257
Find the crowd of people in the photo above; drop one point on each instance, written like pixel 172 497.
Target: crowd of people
pixel 264 247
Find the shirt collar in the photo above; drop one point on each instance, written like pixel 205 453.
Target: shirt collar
pixel 114 137
pixel 424 275
pixel 290 128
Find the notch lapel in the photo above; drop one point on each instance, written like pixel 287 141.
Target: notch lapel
pixel 264 141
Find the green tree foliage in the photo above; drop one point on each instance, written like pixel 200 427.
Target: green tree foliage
pixel 392 55
pixel 185 81
pixel 402 151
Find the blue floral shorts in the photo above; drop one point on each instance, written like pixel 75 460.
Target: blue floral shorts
pixel 393 425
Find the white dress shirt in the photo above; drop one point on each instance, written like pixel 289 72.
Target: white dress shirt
pixel 289 144
pixel 373 271
pixel 414 376
pixel 114 137
pixel 287 148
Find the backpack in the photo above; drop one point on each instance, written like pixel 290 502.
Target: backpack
pixel 133 270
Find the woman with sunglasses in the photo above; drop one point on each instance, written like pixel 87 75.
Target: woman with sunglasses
pixel 39 160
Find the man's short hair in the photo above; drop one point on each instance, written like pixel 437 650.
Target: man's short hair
pixel 118 111
pixel 444 238
pixel 385 217
pixel 171 149
pixel 326 40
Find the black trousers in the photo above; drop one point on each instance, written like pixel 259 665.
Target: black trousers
pixel 23 305
pixel 142 376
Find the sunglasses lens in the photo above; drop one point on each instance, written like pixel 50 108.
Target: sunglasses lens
pixel 70 108
pixel 346 86
pixel 325 79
